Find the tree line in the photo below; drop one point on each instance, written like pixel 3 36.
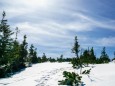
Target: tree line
pixel 88 55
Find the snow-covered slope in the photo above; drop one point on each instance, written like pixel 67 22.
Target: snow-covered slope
pixel 48 74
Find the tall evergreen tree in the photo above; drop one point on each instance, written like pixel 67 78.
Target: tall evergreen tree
pixel 15 53
pixel 77 63
pixel 6 44
pixel 5 40
pixel 92 55
pixel 23 52
pixel 76 47
pixel 33 54
pixel 35 59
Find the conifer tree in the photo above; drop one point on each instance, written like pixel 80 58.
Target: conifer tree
pixel 77 63
pixel 31 53
pixel 76 46
pixel 15 53
pixel 104 57
pixel 39 59
pixel 61 58
pixel 23 52
pixel 92 55
pixel 86 57
pixel 44 59
pixel 5 40
pixel 6 44
pixel 35 59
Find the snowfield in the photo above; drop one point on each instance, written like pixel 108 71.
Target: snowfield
pixel 48 74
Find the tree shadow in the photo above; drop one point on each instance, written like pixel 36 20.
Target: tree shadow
pixel 82 84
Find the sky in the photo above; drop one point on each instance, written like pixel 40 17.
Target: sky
pixel 51 25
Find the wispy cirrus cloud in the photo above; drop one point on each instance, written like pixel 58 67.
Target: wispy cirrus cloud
pixel 109 41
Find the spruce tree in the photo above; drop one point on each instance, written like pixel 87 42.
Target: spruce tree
pixel 23 52
pixel 15 53
pixel 92 55
pixel 35 59
pixel 76 47
pixel 44 59
pixel 6 44
pixel 5 41
pixel 86 57
pixel 76 62
pixel 104 57
pixel 31 53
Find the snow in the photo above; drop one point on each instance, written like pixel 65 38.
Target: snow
pixel 101 75
pixel 48 74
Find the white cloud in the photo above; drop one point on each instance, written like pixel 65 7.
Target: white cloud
pixel 110 41
pixel 105 24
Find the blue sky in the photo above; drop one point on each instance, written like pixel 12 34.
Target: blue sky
pixel 51 25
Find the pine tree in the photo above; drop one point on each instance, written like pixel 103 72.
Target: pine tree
pixel 35 59
pixel 92 55
pixel 86 57
pixel 5 41
pixel 31 53
pixel 76 62
pixel 15 53
pixel 39 59
pixel 23 52
pixel 6 44
pixel 61 58
pixel 44 59
pixel 76 46
pixel 104 57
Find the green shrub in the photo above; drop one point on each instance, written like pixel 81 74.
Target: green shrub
pixel 86 71
pixel 70 79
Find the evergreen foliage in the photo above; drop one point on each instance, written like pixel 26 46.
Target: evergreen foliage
pixel 71 79
pixel 23 52
pixel 88 57
pixel 104 58
pixel 6 42
pixel 13 55
pixel 33 54
pixel 44 59
pixel 76 47
pixel 86 71
pixel 52 59
pixel 39 59
pixel 35 59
